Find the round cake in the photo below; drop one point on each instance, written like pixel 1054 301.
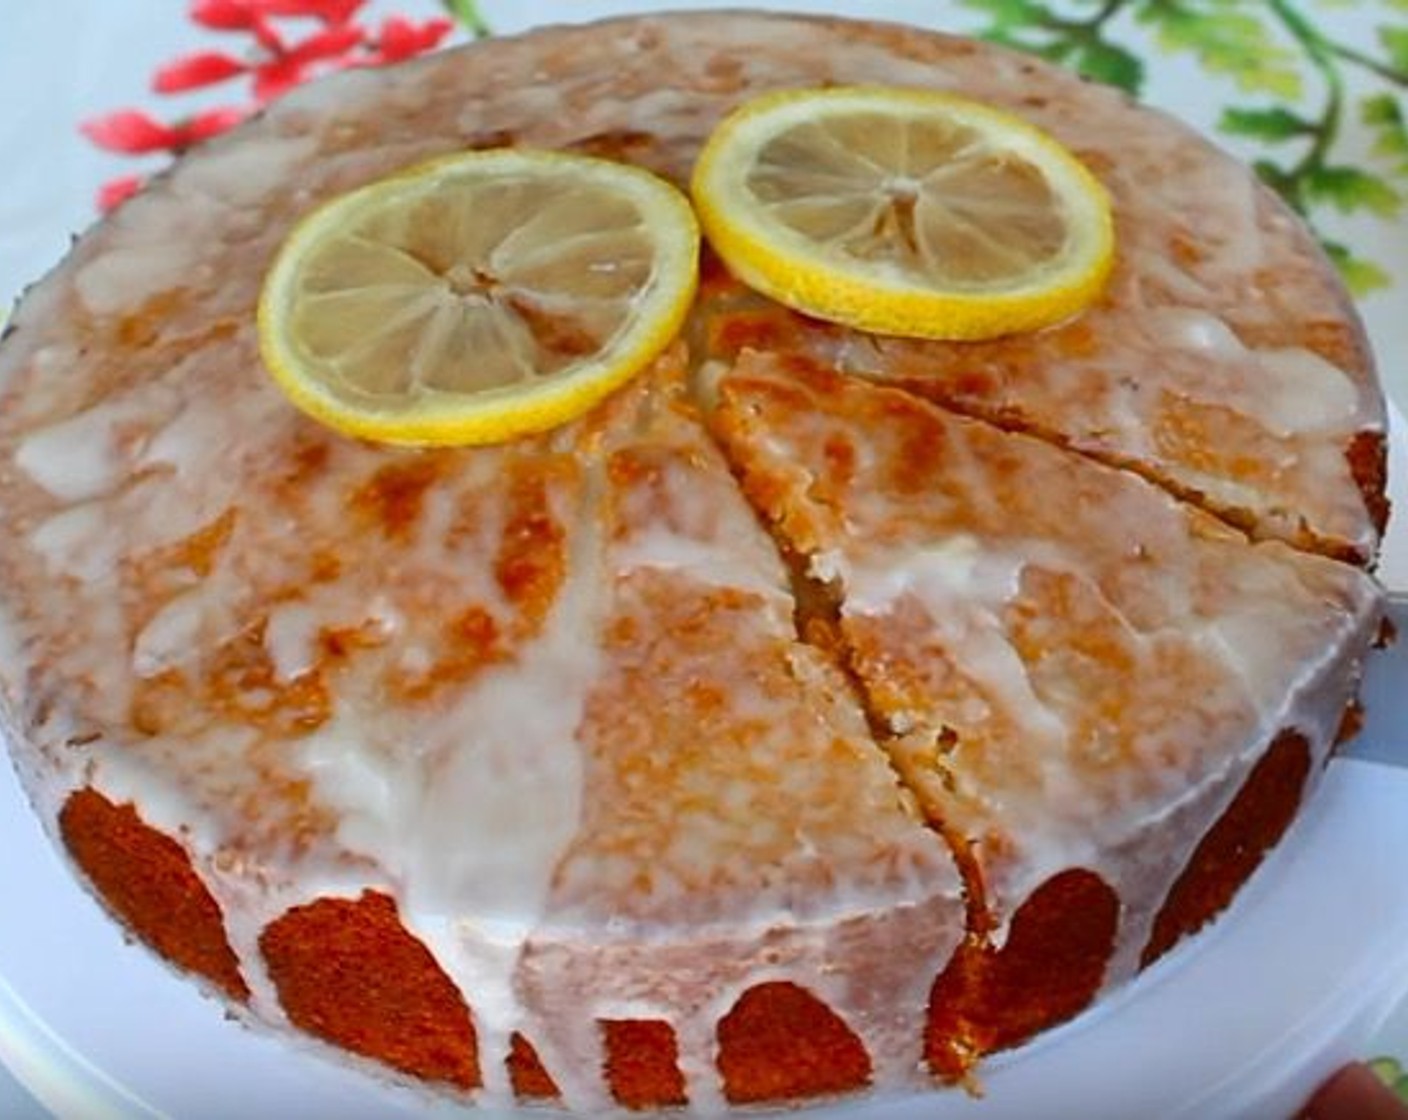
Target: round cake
pixel 818 714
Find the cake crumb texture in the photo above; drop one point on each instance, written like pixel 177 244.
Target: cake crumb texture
pixel 1235 845
pixel 1048 970
pixel 779 1042
pixel 531 1081
pixel 642 1063
pixel 347 971
pixel 147 880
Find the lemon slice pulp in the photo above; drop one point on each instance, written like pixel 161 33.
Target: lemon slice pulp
pixel 904 211
pixel 479 296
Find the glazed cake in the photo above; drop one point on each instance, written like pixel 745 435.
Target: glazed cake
pixel 817 715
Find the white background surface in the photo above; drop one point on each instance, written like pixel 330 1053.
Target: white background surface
pixel 1277 994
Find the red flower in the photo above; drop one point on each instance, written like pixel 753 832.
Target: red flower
pixel 192 71
pixel 283 66
pixel 247 15
pixel 401 38
pixel 135 133
pixel 114 193
pixel 288 66
pixel 279 67
pixel 274 65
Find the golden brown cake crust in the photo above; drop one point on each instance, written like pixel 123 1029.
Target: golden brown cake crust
pixel 642 1063
pixel 348 972
pixel 644 748
pixel 530 1080
pixel 1049 969
pixel 1236 843
pixel 779 1042
pixel 147 880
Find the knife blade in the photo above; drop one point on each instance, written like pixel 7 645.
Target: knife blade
pixel 1384 695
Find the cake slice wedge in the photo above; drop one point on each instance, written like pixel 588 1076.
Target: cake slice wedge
pixel 753 908
pixel 1076 673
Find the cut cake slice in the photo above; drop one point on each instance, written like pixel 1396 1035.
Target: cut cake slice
pixel 1075 672
pixel 746 854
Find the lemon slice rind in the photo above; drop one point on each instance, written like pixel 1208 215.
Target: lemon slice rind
pixel 875 296
pixel 436 418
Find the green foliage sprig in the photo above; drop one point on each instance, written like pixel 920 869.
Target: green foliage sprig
pixel 1390 1072
pixel 1272 52
pixel 467 14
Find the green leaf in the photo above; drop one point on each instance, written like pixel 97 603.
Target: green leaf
pixel 1384 117
pixel 1111 64
pixel 1350 189
pixel 1228 40
pixel 1282 182
pixel 467 14
pixel 1007 11
pixel 1271 125
pixel 1360 276
pixel 1005 37
pixel 1006 15
pixel 1037 28
pixel 1056 50
pixel 1381 109
pixel 1386 1068
pixel 1395 41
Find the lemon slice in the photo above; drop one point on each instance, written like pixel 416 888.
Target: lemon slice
pixel 904 211
pixel 479 296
